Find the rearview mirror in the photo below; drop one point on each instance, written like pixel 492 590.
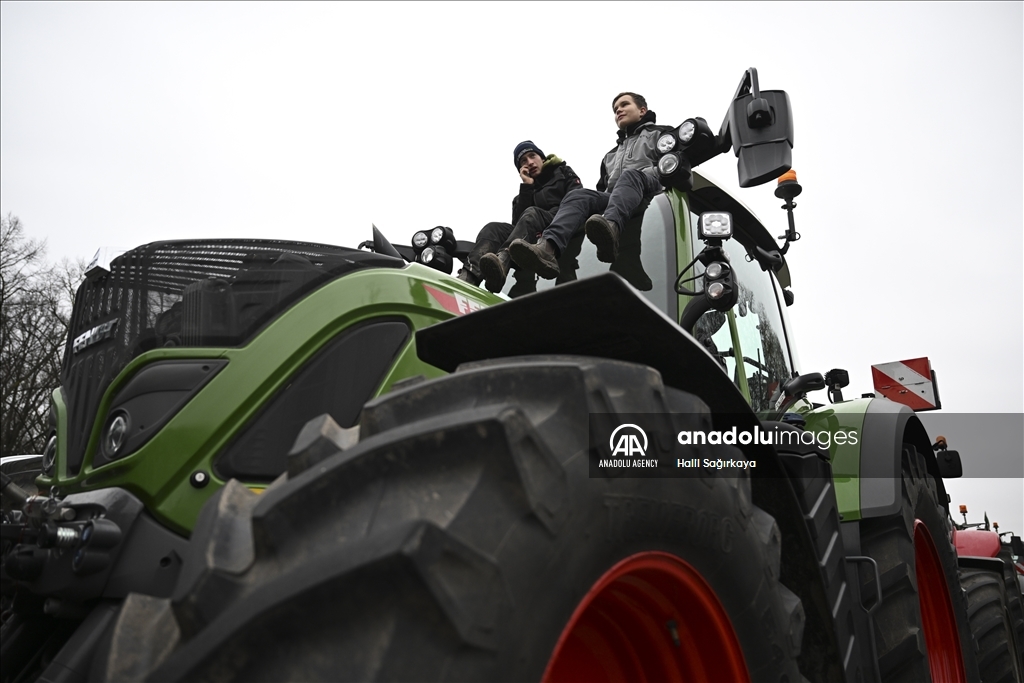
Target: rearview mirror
pixel 950 466
pixel 761 127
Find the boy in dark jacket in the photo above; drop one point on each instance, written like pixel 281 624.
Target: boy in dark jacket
pixel 629 175
pixel 545 181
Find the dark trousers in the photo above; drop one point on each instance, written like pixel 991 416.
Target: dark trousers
pixel 579 205
pixel 494 237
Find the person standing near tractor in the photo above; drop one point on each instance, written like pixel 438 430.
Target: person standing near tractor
pixel 545 182
pixel 629 175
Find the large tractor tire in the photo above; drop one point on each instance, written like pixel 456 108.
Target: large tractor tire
pixel 991 626
pixel 1014 601
pixel 921 627
pixel 463 538
pixel 810 473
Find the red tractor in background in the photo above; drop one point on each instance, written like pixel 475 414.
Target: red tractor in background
pixel 991 570
pixel 992 576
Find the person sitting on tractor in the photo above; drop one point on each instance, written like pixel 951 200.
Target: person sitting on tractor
pixel 629 175
pixel 545 181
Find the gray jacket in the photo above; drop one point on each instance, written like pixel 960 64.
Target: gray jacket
pixel 635 150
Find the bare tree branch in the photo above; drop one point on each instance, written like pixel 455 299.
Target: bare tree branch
pixel 35 307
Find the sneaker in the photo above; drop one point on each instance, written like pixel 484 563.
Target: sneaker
pixel 494 269
pixel 605 236
pixel 534 257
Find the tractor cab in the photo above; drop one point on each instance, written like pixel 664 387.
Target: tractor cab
pixel 749 339
pixel 728 291
pixel 647 258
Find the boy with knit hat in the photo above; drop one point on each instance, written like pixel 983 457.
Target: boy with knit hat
pixel 545 180
pixel 628 177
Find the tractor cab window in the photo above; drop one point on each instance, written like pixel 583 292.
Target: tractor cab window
pixel 749 339
pixel 646 259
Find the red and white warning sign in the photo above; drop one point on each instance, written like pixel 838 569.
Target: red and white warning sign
pixel 910 382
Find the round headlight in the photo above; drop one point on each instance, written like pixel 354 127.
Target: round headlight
pixel 419 240
pixel 686 131
pixel 427 255
pixel 668 164
pixel 436 235
pixel 716 290
pixel 714 271
pixel 49 455
pixel 117 434
pixel 666 143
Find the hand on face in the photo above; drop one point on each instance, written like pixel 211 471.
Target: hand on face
pixel 530 167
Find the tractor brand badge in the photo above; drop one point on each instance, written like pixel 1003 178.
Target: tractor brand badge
pixel 628 440
pixel 453 303
pixel 94 336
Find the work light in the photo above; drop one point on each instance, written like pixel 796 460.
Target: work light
pixel 436 257
pixel 697 141
pixel 50 455
pixel 686 130
pixel 443 237
pixel 715 270
pixel 116 434
pixel 715 225
pixel 668 164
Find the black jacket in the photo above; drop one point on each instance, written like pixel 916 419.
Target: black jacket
pixel 554 181
pixel 636 149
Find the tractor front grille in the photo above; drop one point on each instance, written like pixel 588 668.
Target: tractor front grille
pixel 200 293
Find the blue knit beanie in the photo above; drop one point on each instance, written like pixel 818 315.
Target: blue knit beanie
pixel 524 147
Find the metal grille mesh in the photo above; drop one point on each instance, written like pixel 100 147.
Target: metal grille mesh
pixel 185 294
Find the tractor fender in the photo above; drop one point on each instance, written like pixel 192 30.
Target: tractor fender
pixel 887 426
pixel 600 316
pixel 605 317
pixel 988 564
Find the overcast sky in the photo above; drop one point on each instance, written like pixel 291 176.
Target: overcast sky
pixel 126 123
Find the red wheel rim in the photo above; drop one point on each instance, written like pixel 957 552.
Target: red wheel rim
pixel 651 617
pixel 940 631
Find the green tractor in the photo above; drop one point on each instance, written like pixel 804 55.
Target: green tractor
pixel 285 461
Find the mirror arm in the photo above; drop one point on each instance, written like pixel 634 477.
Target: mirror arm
pixel 755 90
pixel 748 84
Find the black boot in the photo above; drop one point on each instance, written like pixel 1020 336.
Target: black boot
pixel 466 275
pixel 525 282
pixel 494 269
pixel 605 236
pixel 540 258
